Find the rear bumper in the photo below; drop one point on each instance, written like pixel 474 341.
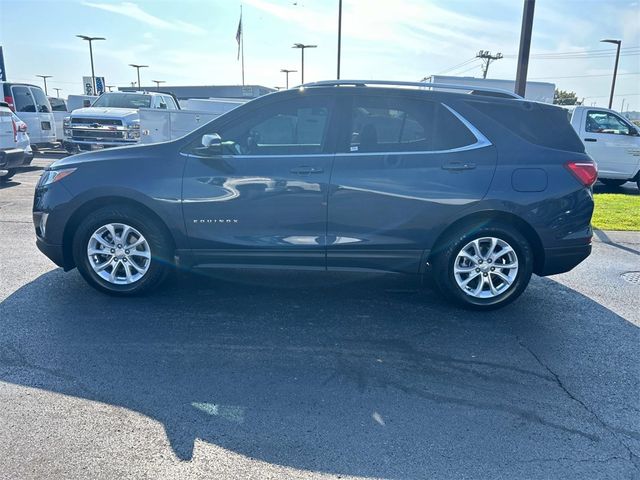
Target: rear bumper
pixel 54 252
pixel 11 158
pixel 562 259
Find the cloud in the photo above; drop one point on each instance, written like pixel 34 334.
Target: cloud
pixel 132 10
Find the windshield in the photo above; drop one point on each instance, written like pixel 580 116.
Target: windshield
pixel 123 100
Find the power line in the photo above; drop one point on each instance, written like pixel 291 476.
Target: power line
pixel 585 76
pixel 604 52
pixel 457 66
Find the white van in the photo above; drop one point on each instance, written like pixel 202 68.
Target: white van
pixel 31 105
pixel 611 140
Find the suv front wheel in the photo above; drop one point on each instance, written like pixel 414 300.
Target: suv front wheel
pixel 120 251
pixel 485 269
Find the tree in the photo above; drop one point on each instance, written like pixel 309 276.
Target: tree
pixel 563 97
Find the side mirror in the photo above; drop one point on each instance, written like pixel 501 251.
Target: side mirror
pixel 212 143
pixel 86 103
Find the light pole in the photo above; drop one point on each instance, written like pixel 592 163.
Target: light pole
pixel 57 92
pixel 138 67
pixel 93 75
pixel 615 68
pixel 525 47
pixel 339 35
pixel 44 77
pixel 158 82
pixel 287 72
pixel 302 47
pixel 109 87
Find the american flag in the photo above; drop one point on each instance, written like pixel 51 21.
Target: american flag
pixel 239 35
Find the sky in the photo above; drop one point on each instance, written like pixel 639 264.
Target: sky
pixel 193 42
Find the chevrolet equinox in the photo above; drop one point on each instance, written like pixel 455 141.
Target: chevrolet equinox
pixel 477 188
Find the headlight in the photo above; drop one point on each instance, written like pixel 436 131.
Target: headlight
pixel 66 122
pixel 51 176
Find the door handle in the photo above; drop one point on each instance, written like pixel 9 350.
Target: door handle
pixel 458 166
pixel 590 140
pixel 306 170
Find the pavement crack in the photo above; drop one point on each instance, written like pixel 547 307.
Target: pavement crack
pixel 632 457
pixel 17 359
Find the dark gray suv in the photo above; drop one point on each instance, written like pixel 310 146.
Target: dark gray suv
pixel 477 189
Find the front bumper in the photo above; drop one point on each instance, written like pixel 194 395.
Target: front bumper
pixel 562 259
pixel 11 158
pixel 54 252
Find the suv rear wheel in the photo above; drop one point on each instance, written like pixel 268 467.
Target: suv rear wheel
pixel 120 251
pixel 485 269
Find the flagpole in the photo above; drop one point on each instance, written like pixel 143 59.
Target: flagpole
pixel 242 44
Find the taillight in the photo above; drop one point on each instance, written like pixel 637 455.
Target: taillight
pixel 22 127
pixel 9 101
pixel 15 129
pixel 585 172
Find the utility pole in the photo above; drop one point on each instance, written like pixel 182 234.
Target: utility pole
pixel 138 67
pixel 486 58
pixel 57 92
pixel 525 47
pixel 287 72
pixel 615 68
pixel 339 35
pixel 302 47
pixel 44 77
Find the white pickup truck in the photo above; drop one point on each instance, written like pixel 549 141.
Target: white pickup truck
pixel 611 140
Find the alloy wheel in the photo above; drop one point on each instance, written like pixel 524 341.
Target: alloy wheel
pixel 486 267
pixel 119 254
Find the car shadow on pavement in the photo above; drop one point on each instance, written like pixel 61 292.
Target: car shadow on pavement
pixel 354 375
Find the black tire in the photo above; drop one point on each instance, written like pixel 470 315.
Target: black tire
pixel 610 182
pixel 638 182
pixel 159 246
pixel 7 177
pixel 445 258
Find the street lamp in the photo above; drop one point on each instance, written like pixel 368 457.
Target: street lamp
pixel 57 92
pixel 109 87
pixel 615 68
pixel 287 72
pixel 158 82
pixel 138 67
pixel 44 77
pixel 302 47
pixel 93 75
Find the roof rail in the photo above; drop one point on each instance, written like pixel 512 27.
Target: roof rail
pixel 426 85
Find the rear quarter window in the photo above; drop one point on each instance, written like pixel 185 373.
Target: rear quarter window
pixel 539 124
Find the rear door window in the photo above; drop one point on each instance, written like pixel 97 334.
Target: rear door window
pixel 42 104
pixel 399 124
pixel 171 104
pixel 23 100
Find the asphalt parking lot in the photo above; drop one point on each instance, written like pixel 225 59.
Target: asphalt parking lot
pixel 292 375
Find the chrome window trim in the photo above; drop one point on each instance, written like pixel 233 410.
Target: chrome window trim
pixel 481 142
